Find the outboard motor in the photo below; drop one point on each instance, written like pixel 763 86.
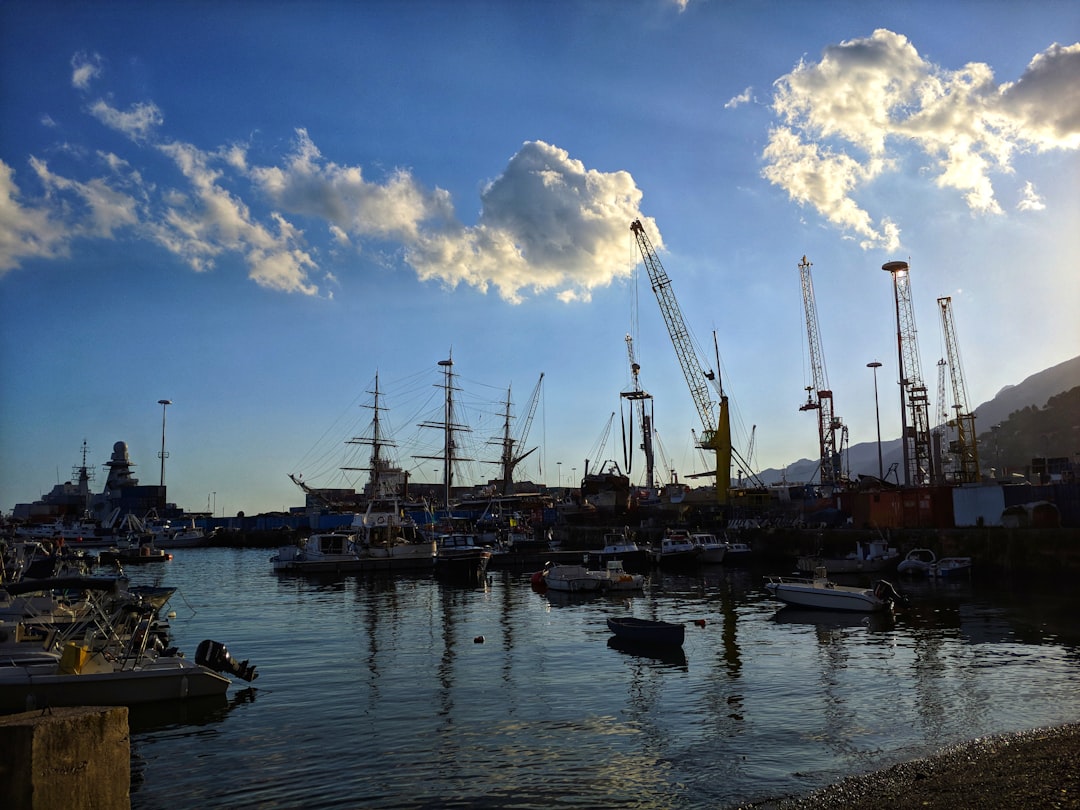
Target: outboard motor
pixel 212 654
pixel 887 593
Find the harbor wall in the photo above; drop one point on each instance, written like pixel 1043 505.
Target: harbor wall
pixel 65 757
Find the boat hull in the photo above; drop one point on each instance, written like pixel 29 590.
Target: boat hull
pixel 821 594
pixel 646 631
pixel 28 688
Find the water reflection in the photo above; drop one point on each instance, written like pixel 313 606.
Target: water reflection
pixel 668 656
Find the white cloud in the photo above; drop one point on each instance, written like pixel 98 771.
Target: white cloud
pixel 848 119
pixel 736 101
pixel 138 123
pixel 1030 201
pixel 547 224
pixel 84 69
pixel 26 231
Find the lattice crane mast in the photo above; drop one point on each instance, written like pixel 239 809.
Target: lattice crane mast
pixel 965 447
pixel 914 399
pixel 716 432
pixel 645 417
pixel 819 395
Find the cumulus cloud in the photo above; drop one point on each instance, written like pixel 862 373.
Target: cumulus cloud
pixel 1030 200
pixel 868 104
pixel 547 224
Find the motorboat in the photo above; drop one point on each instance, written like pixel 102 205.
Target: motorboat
pixel 647 631
pixel 737 551
pixel 617 578
pixel 320 553
pixel 621 546
pixel 868 557
pixel 821 593
pixel 574 578
pixel 169 535
pixel 677 550
pixel 925 562
pixel 134 555
pixel 458 556
pixel 713 549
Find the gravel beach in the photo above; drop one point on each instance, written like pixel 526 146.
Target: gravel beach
pixel 1030 769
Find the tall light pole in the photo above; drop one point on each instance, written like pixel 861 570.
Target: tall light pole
pixel 164 403
pixel 877 417
pixel 559 465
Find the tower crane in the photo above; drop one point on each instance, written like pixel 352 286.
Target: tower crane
pixel 965 447
pixel 716 432
pixel 914 400
pixel 830 426
pixel 940 420
pixel 644 402
pixel 507 458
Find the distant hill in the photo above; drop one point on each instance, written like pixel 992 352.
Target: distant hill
pixel 1033 393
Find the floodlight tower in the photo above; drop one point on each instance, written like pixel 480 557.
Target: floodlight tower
pixel 914 399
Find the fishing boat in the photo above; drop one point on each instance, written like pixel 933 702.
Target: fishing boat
pixel 458 557
pixel 390 539
pixel 647 631
pixel 713 549
pixel 821 593
pixel 617 578
pixel 677 550
pixel 320 553
pixel 169 535
pixel 621 546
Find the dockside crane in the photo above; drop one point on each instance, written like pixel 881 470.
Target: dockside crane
pixel 716 431
pixel 819 397
pixel 644 402
pixel 965 447
pixel 914 399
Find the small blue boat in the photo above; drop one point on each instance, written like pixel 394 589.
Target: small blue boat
pixel 647 631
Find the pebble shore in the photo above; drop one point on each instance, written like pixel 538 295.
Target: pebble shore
pixel 1030 769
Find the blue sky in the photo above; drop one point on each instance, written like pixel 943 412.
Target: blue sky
pixel 251 209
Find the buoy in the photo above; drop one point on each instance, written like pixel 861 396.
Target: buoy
pixel 699 622
pixel 172 614
pixel 478 640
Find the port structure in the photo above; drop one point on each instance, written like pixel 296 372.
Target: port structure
pixel 914 399
pixel 832 432
pixel 964 447
pixel 716 429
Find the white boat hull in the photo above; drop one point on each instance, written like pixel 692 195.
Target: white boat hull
pixel 821 594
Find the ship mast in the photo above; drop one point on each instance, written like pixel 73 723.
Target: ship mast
pixel 450 429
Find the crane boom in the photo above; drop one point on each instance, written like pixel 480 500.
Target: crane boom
pixel 829 425
pixel 914 400
pixel 716 432
pixel 965 447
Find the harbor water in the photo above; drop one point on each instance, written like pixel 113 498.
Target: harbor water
pixel 403 692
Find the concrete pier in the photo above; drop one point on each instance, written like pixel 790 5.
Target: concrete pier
pixel 65 757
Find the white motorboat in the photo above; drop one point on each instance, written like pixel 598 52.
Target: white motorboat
pixel 737 551
pixel 617 578
pixel 187 535
pixel 574 578
pixel 713 549
pixel 321 553
pixel 621 546
pixel 677 550
pixel 924 561
pixel 458 556
pixel 821 593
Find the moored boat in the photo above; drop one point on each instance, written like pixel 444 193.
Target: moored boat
pixel 677 550
pixel 459 557
pixel 821 593
pixel 647 631
pixel 320 553
pixel 868 557
pixel 924 561
pixel 621 546
pixel 574 578
pixel 713 549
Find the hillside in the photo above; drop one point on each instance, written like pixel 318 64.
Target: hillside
pixel 1038 428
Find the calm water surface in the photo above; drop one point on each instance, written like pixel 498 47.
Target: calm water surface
pixel 376 693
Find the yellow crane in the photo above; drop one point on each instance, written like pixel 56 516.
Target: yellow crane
pixel 716 431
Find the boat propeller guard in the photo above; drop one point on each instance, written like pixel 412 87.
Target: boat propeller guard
pixel 214 655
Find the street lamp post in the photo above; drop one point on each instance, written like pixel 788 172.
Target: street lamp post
pixel 164 403
pixel 558 464
pixel 877 418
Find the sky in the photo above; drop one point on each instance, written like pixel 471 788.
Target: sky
pixel 252 209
